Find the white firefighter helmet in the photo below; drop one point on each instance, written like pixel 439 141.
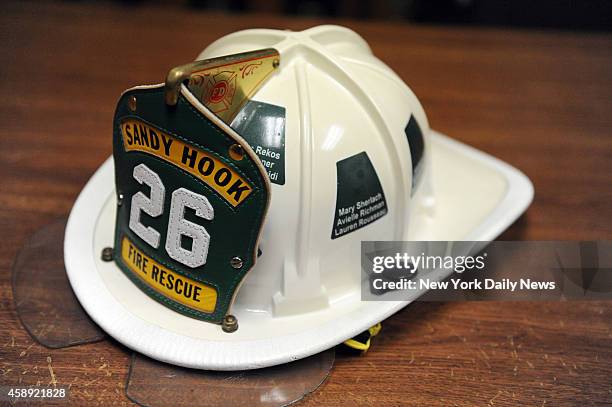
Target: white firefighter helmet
pixel 339 102
pixel 351 158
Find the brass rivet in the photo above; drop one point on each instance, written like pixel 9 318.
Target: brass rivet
pixel 275 63
pixel 236 152
pixel 107 254
pixel 132 103
pixel 230 324
pixel 236 262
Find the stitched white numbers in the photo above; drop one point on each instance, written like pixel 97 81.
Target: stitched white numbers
pixel 178 226
pixel 153 206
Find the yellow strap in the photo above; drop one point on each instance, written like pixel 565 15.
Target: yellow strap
pixel 375 329
pixel 363 347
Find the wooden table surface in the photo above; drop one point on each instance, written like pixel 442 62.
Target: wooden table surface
pixel 540 100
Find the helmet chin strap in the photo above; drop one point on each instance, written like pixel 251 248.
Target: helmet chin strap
pixel 362 342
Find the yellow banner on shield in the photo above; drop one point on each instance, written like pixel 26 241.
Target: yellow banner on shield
pixel 140 136
pixel 168 283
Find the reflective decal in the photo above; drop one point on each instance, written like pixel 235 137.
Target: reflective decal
pixel 262 125
pixel 360 199
pixel 416 143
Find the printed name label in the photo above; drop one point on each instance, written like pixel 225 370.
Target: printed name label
pixel 360 199
pixel 139 136
pixel 262 125
pixel 170 284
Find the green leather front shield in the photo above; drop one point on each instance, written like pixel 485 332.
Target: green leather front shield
pixel 191 202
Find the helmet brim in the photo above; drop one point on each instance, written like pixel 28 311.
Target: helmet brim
pixel 478 197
